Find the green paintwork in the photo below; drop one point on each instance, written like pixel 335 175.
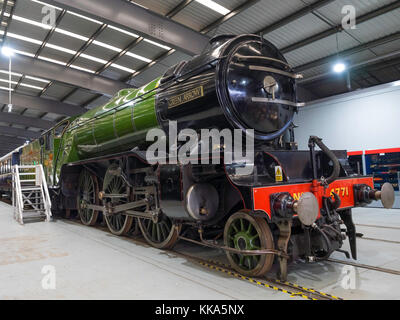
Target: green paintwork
pixel 119 125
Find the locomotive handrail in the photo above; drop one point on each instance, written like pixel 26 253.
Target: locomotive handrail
pixel 277 71
pixel 245 58
pixel 331 155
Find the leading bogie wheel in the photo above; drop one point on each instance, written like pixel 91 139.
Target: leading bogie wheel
pixel 245 232
pixel 162 234
pixel 88 193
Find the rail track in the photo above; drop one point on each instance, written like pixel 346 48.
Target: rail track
pixel 291 289
pixel 364 266
pixel 285 287
pixel 375 226
pixel 378 227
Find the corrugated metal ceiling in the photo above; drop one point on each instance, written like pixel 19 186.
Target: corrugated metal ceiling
pixel 73 31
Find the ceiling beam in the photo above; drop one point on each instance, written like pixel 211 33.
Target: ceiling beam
pixel 127 15
pixel 349 52
pixel 42 104
pixel 14 118
pixel 324 34
pixel 49 70
pixel 294 16
pixel 16 132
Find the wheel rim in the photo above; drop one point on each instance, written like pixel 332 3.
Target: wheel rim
pixel 245 232
pixel 88 194
pixel 118 224
pixel 163 234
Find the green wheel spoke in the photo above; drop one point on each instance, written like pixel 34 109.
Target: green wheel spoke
pixel 241 225
pixel 241 260
pixel 234 227
pixel 256 236
pixel 153 231
pixel 250 228
pixel 248 260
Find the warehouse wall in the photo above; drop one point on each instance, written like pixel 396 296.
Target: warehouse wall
pixel 362 120
pixel 368 119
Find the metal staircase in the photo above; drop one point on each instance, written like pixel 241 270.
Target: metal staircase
pixel 31 198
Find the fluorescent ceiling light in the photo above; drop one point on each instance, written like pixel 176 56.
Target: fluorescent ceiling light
pixel 107 46
pixel 136 56
pixel 23 38
pixel 157 44
pixel 24 53
pixel 86 56
pixel 85 17
pixel 62 49
pixel 124 31
pixel 21 84
pixel 214 6
pixel 12 73
pixel 46 4
pixel 32 22
pixel 117 66
pixel 71 34
pixel 82 69
pixel 83 38
pixel 69 51
pixel 37 79
pixel 4 88
pixel 52 60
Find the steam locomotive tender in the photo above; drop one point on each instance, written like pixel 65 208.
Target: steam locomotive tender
pixel 294 204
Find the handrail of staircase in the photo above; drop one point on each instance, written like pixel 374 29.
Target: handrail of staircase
pixel 47 199
pixel 17 185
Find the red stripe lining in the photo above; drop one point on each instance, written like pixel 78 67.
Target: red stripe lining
pixel 354 153
pixel 377 151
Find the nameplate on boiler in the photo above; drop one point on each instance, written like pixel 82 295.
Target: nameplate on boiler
pixel 185 97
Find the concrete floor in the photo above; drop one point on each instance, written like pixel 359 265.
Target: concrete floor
pixel 93 264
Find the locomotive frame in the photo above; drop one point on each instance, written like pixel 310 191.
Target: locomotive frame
pixel 96 164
